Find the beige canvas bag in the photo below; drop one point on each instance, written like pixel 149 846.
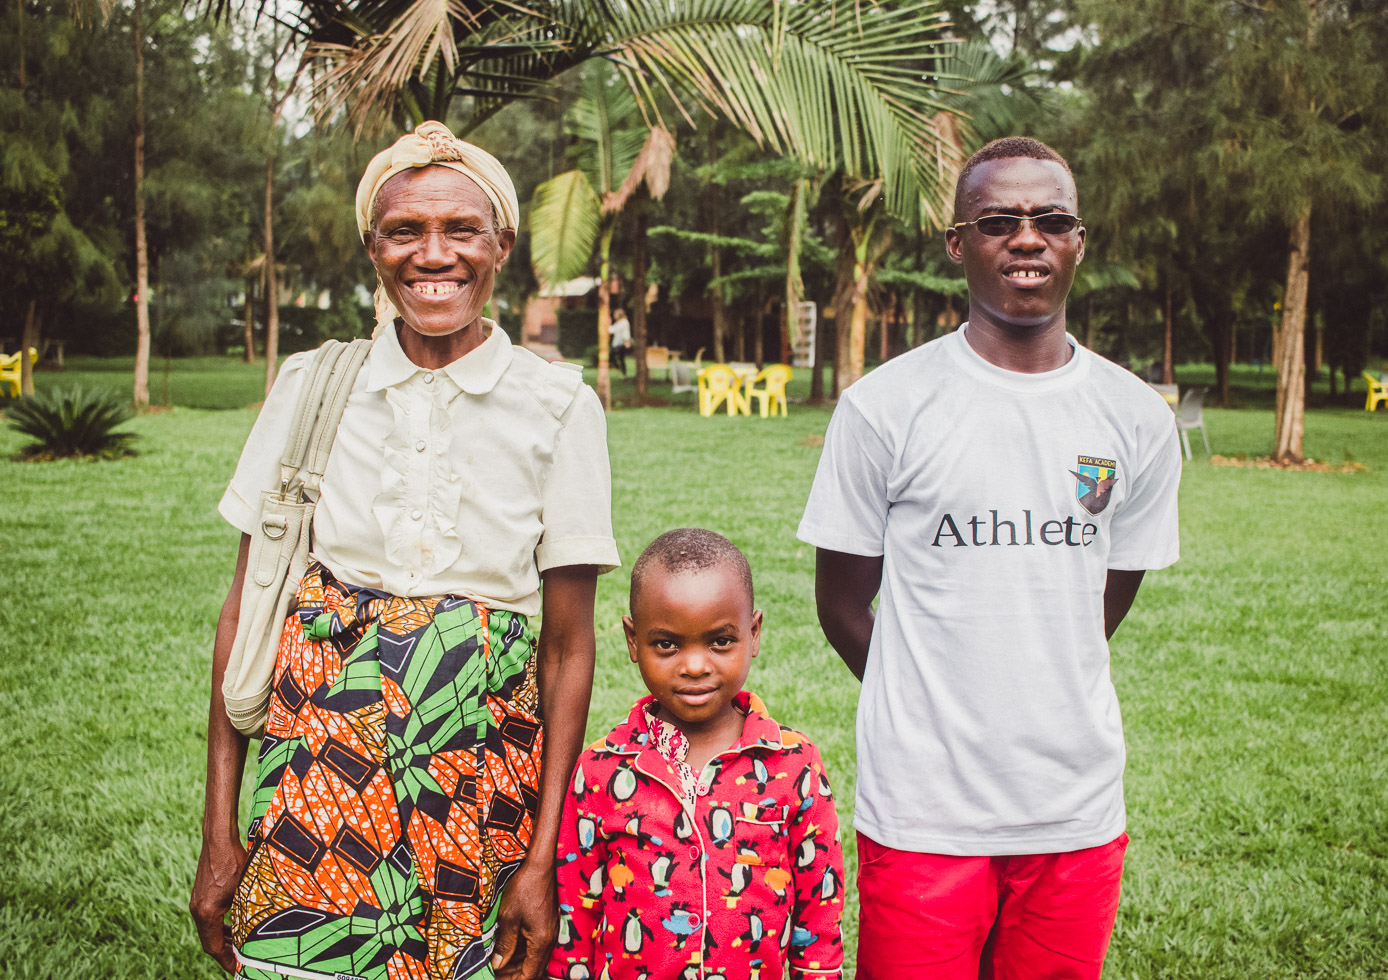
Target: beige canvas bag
pixel 280 544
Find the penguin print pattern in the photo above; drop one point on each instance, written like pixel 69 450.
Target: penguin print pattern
pixel 670 874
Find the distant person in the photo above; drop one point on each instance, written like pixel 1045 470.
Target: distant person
pixel 1003 489
pixel 620 335
pixel 419 738
pixel 699 837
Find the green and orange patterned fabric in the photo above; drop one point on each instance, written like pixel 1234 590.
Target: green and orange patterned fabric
pixel 397 782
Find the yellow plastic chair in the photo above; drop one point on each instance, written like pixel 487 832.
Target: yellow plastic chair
pixel 718 385
pixel 1378 392
pixel 11 370
pixel 772 395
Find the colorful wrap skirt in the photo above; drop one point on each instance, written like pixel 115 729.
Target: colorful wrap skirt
pixel 397 784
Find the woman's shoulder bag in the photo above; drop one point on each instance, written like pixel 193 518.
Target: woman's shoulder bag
pixel 280 544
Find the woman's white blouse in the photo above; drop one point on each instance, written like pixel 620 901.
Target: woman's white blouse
pixel 470 480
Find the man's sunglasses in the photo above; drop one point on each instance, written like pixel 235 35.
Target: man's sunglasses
pixel 1007 225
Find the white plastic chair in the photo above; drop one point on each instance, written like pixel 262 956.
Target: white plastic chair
pixel 1190 414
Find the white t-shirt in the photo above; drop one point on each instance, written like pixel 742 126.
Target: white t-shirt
pixel 469 480
pixel 987 722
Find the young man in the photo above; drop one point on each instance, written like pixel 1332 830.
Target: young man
pixel 1004 490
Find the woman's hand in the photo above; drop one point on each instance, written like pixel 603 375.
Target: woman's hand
pixel 220 867
pixel 527 924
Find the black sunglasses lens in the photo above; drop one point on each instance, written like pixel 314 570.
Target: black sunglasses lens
pixel 998 225
pixel 1001 225
pixel 1056 224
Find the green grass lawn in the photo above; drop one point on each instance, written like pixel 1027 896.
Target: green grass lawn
pixel 1252 678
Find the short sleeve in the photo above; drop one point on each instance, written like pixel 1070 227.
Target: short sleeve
pixel 259 467
pixel 847 509
pixel 576 501
pixel 1144 532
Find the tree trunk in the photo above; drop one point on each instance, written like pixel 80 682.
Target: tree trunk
pixel 714 203
pixel 29 339
pixel 638 303
pixel 1168 371
pixel 141 246
pixel 1089 322
pixel 854 337
pixel 249 356
pixel 795 287
pixel 605 314
pixel 759 338
pixel 1291 343
pixel 272 301
pixel 817 371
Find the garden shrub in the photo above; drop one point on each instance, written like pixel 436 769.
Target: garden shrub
pixel 578 329
pixel 72 422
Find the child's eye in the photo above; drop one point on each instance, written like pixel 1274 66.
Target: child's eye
pixel 723 642
pixel 665 646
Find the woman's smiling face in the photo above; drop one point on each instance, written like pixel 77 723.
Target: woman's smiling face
pixel 436 249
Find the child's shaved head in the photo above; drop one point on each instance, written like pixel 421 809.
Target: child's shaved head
pixel 689 549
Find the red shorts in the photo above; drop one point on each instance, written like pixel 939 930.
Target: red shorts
pixel 1017 917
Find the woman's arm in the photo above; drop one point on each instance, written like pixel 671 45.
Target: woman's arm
pixel 529 912
pixel 223 855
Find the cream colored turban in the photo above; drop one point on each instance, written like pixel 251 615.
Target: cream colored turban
pixel 432 143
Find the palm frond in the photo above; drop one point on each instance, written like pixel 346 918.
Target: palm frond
pixel 564 219
pixel 840 84
pixel 651 165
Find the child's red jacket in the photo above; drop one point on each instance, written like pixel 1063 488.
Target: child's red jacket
pixel 750 879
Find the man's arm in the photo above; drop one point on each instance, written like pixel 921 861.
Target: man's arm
pixel 223 856
pixel 567 650
pixel 844 587
pixel 1120 589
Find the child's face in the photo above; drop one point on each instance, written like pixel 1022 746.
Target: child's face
pixel 694 634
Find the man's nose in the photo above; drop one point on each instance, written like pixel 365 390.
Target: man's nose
pixel 1027 238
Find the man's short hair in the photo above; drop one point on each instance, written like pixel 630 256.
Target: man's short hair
pixel 1007 148
pixel 689 549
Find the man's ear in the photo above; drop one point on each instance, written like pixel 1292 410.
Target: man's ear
pixel 506 238
pixel 1079 253
pixel 952 246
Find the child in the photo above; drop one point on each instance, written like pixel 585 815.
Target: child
pixel 699 838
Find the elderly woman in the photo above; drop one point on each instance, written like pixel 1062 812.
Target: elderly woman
pixel 418 741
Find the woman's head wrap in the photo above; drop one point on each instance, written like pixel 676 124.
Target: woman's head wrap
pixel 433 144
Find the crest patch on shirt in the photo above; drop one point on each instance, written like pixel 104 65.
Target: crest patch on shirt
pixel 1094 482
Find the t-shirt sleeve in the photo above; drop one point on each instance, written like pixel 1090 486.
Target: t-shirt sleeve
pixel 259 467
pixel 576 501
pixel 847 509
pixel 1144 532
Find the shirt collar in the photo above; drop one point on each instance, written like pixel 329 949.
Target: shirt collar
pixel 476 372
pixel 759 730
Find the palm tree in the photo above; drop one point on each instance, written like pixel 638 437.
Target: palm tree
pixel 616 154
pixel 832 84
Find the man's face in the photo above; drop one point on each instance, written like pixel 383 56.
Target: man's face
pixel 1020 280
pixel 436 248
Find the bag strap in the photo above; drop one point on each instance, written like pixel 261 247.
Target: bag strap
pixel 306 412
pixel 338 390
pixel 321 401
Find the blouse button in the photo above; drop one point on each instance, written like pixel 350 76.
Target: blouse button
pixel 420 446
pixel 694 921
pixel 693 853
pixel 428 377
pixel 417 515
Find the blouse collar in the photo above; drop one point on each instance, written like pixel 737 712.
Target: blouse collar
pixel 476 372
